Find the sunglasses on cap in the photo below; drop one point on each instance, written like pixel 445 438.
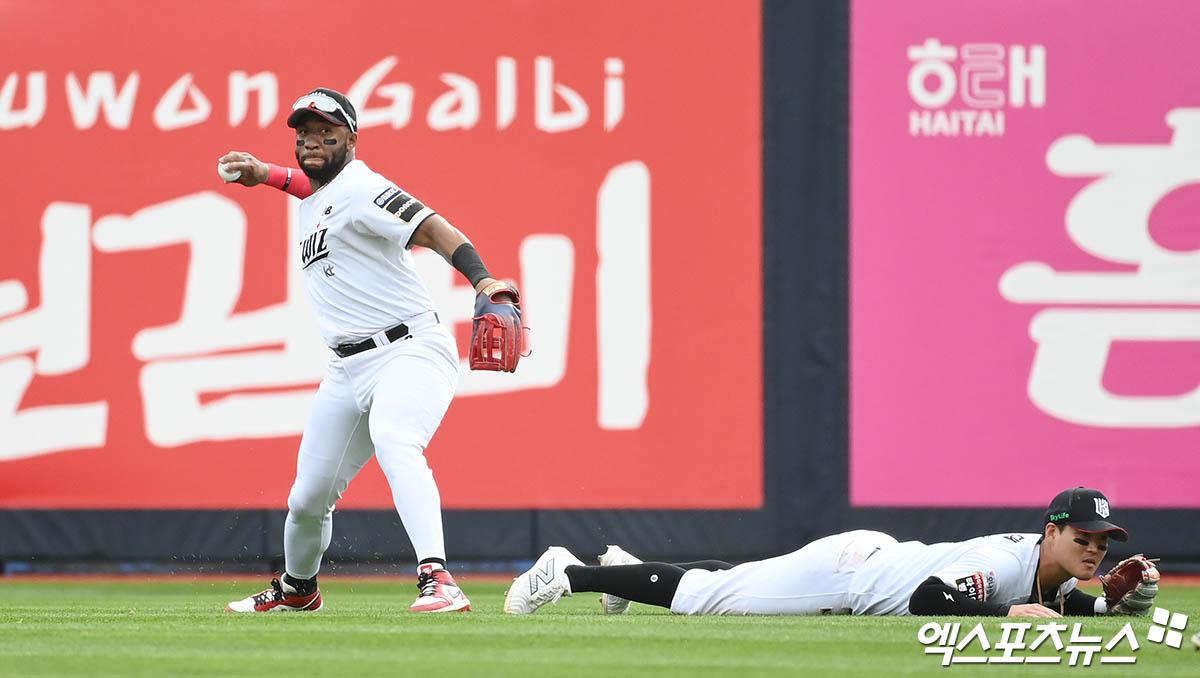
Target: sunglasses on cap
pixel 323 103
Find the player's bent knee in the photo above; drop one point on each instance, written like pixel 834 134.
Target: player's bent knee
pixel 307 506
pixel 300 514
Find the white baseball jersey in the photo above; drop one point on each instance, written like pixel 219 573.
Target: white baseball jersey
pixel 358 269
pixel 866 572
pixel 999 568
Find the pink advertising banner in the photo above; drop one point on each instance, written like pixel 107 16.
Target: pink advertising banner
pixel 1025 252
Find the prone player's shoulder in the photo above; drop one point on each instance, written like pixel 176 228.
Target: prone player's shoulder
pixel 1015 543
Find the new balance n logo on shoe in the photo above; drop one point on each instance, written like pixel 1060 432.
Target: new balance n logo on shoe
pixel 545 577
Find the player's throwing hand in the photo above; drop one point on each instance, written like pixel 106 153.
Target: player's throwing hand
pixel 254 171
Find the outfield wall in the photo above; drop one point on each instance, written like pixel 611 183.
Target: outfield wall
pixel 858 335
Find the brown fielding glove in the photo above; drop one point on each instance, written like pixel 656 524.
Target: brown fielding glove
pixel 497 338
pixel 1130 586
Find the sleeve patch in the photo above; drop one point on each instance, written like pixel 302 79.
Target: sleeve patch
pixel 384 197
pixel 403 205
pixel 972 586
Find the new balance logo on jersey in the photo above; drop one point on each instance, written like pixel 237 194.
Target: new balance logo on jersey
pixel 542 578
pixel 313 249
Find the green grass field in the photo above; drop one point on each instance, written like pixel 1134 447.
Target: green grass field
pixel 178 628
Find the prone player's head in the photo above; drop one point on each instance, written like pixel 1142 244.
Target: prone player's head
pixel 1077 530
pixel 326 127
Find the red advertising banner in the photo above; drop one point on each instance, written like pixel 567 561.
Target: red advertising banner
pixel 1025 287
pixel 157 349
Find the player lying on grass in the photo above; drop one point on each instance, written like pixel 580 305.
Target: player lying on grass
pixel 865 572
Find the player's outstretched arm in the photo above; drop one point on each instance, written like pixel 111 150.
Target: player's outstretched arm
pixel 255 172
pixel 935 597
pixel 440 236
pixel 497 335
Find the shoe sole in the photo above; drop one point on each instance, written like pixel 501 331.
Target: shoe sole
pixel 285 608
pixel 278 608
pixel 464 607
pixel 508 599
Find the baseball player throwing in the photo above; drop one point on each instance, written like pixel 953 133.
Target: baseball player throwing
pixel 865 572
pixel 393 367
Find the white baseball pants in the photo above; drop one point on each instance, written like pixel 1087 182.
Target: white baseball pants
pixel 386 402
pixel 813 580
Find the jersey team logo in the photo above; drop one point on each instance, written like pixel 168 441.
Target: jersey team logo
pixel 313 248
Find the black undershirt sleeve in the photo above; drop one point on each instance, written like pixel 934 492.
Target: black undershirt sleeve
pixel 1079 604
pixel 934 597
pixel 466 260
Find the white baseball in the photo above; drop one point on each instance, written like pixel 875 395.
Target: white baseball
pixel 226 174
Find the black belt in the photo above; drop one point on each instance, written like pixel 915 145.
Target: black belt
pixel 394 334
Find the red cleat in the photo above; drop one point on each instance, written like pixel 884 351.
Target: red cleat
pixel 439 592
pixel 275 599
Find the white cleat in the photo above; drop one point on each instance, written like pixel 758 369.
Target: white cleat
pixel 615 555
pixel 545 582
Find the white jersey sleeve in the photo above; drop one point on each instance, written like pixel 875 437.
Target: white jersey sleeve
pixel 392 214
pixel 989 571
